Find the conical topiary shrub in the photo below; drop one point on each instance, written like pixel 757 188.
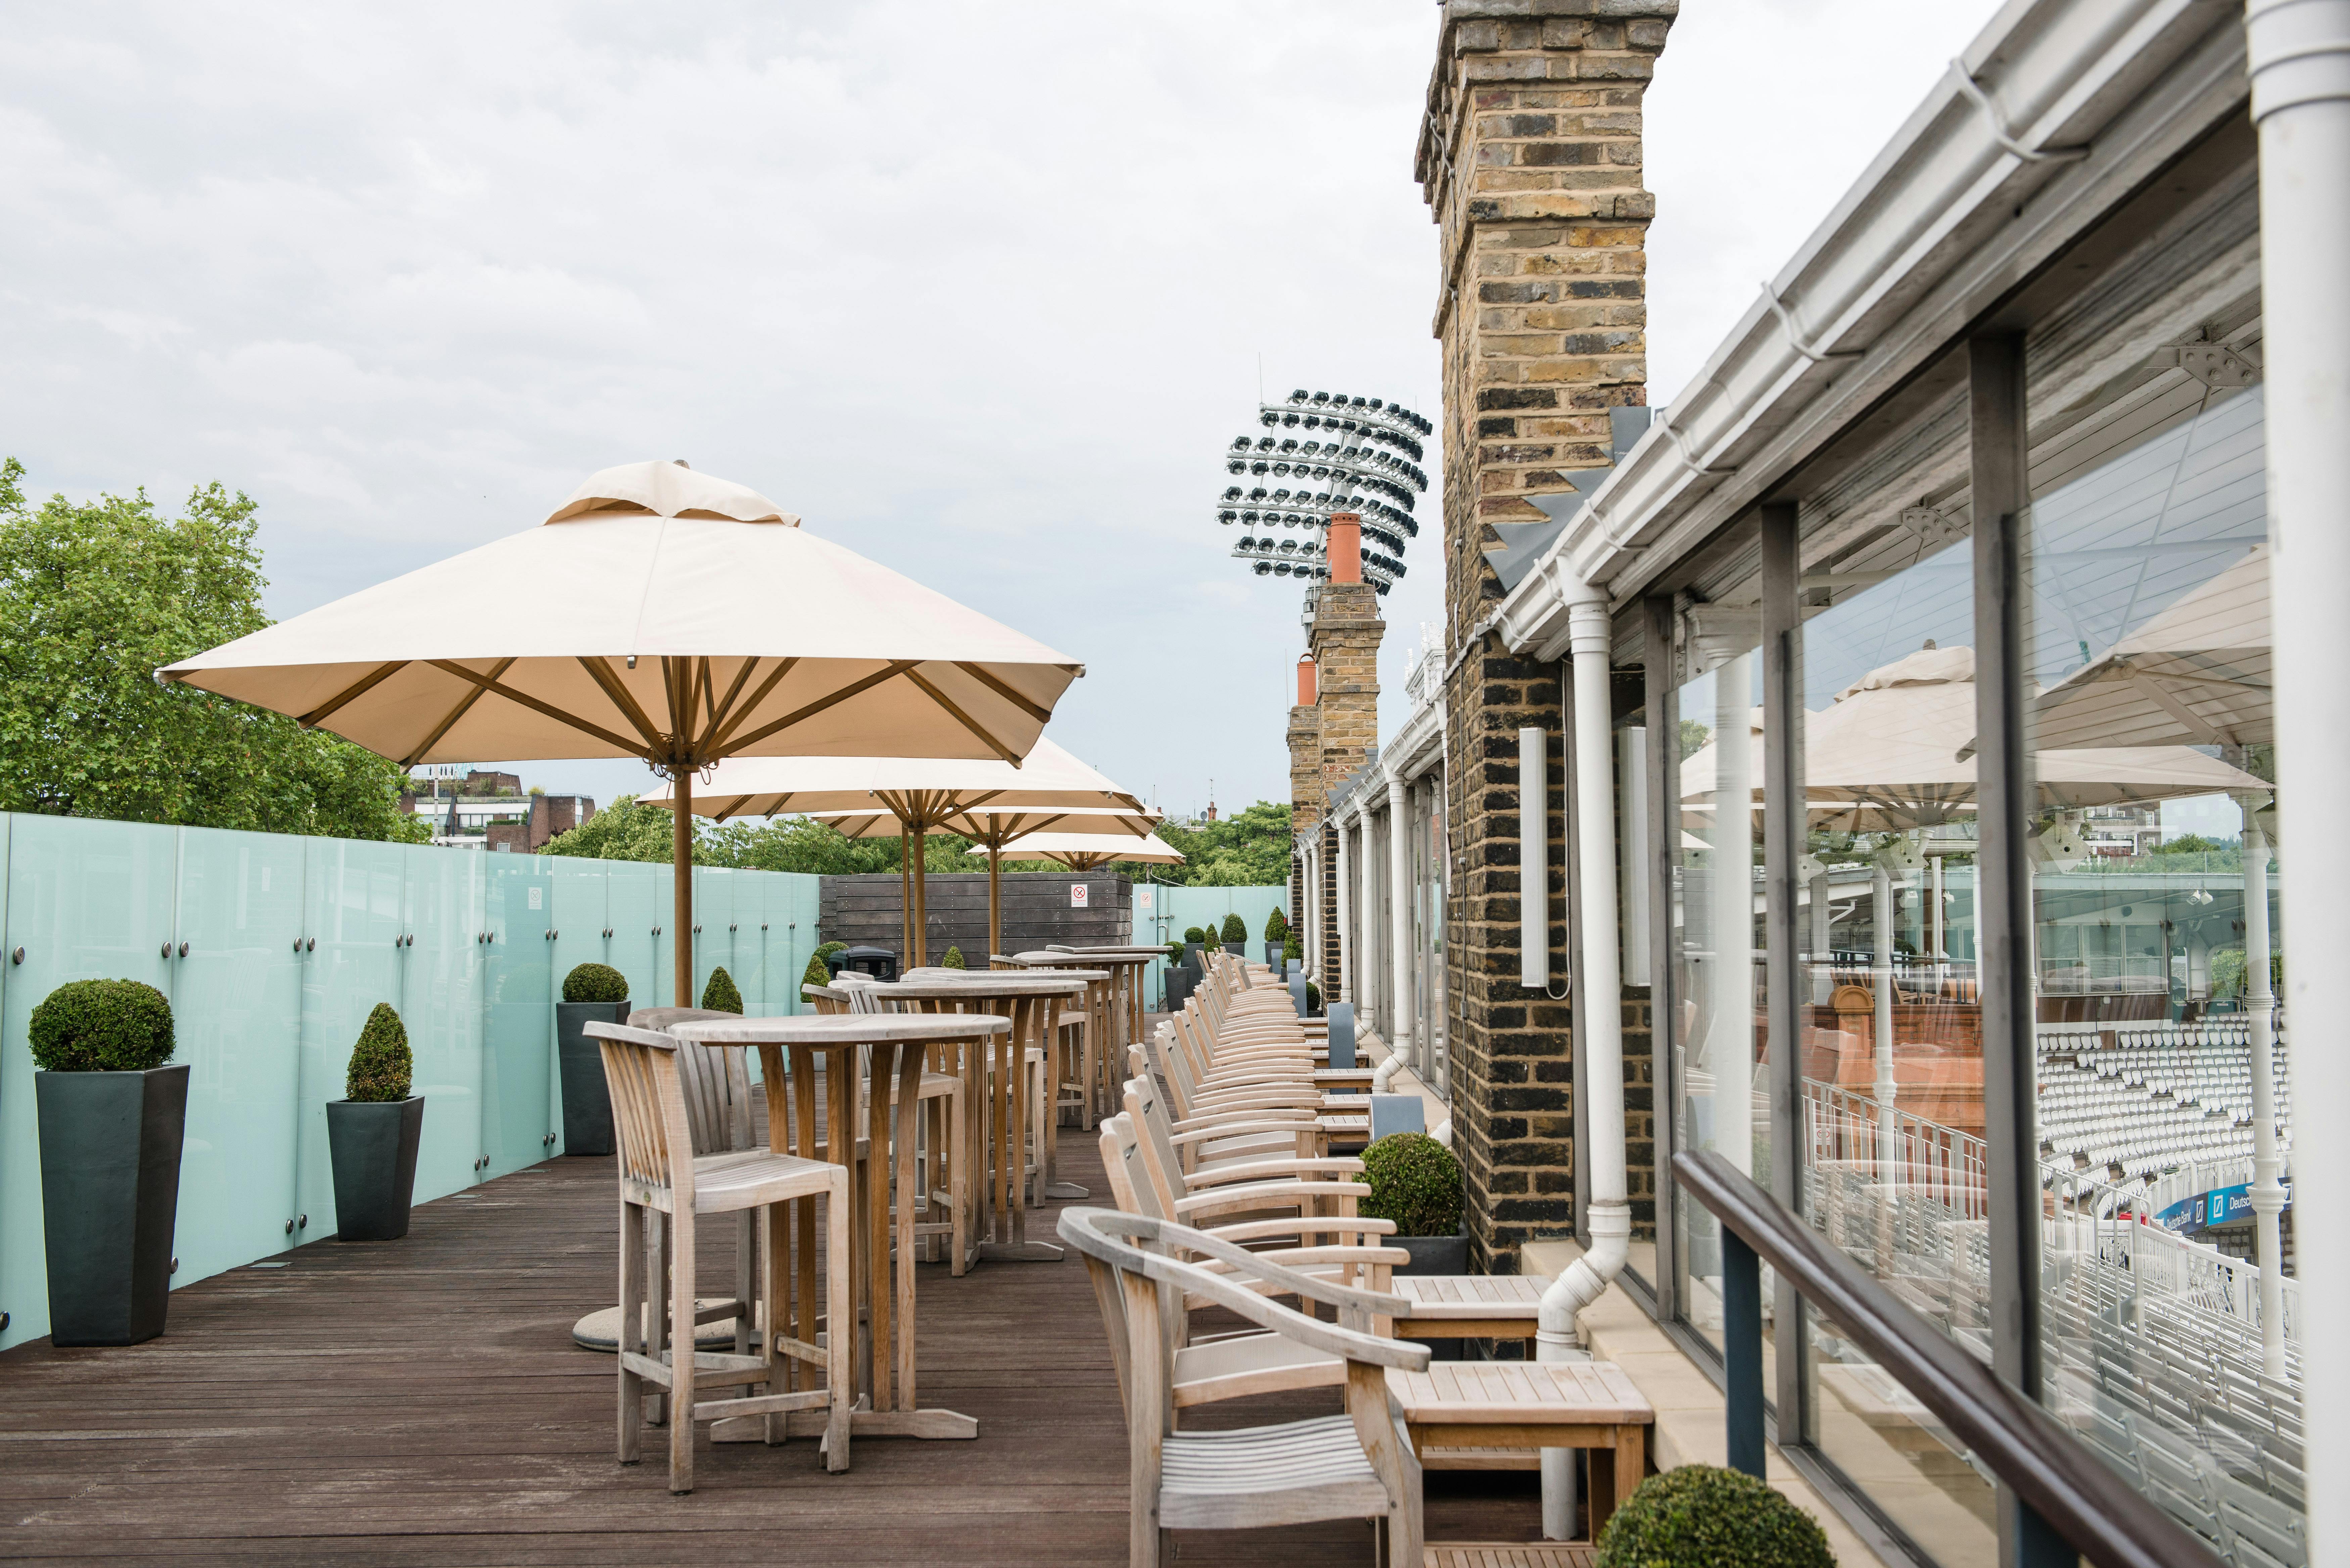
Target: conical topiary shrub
pixel 721 994
pixel 1235 929
pixel 373 1133
pixel 381 1063
pixel 954 960
pixel 817 974
pixel 1276 928
pixel 1698 1514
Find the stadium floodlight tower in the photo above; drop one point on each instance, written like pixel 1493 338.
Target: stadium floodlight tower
pixel 1323 453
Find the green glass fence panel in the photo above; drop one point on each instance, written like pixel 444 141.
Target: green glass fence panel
pixel 518 1012
pixel 86 901
pixel 714 920
pixel 639 895
pixel 236 1004
pixel 581 915
pixel 352 908
pixel 442 984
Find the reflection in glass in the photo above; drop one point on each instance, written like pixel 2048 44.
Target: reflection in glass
pixel 1717 1018
pixel 1892 1028
pixel 2172 1320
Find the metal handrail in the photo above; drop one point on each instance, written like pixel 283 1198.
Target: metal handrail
pixel 2097 1511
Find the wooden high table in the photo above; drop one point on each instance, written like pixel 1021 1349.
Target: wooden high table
pixel 1128 965
pixel 883 1338
pixel 995 1095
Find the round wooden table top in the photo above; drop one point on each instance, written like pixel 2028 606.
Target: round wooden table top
pixel 985 983
pixel 1072 961
pixel 840 1028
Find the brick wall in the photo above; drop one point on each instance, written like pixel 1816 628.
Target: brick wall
pixel 1530 162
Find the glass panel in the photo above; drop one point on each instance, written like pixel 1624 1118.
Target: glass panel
pixel 519 1108
pixel 1630 741
pixel 639 898
pixel 353 910
pixel 1718 946
pixel 236 1007
pixel 2174 1333
pixel 441 987
pixel 714 913
pixel 86 901
pixel 1892 1029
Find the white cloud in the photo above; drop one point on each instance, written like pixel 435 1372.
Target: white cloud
pixel 981 291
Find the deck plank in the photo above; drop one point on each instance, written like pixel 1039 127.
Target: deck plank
pixel 420 1403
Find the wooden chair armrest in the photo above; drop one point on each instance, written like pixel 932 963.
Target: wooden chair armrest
pixel 1241 1129
pixel 1272 1169
pixel 1301 1227
pixel 1223 1199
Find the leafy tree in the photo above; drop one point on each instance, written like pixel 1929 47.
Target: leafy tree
pixel 1247 849
pixel 94 598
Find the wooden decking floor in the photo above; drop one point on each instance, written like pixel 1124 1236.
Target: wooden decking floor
pixel 419 1402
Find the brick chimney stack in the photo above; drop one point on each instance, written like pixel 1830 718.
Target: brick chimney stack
pixel 1529 158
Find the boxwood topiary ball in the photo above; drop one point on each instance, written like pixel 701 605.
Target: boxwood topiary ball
pixel 721 994
pixel 381 1061
pixel 1414 1181
pixel 101 1026
pixel 1699 1515
pixel 595 982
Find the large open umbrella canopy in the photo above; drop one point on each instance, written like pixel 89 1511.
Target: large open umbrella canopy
pixel 867 798
pixel 660 614
pixel 1084 851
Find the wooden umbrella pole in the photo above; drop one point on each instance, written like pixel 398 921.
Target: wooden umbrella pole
pixel 681 866
pixel 994 896
pixel 921 949
pixel 904 902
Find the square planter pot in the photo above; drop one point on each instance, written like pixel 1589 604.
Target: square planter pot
pixel 587 1101
pixel 1238 950
pixel 109 1198
pixel 373 1146
pixel 1438 1255
pixel 1272 954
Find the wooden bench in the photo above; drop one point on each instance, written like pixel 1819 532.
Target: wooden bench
pixel 1504 1405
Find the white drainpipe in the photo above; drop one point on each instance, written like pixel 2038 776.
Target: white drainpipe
pixel 1340 986
pixel 2298 57
pixel 1399 906
pixel 1598 1033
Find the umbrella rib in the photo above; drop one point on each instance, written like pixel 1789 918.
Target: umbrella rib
pixel 600 671
pixel 710 733
pixel 443 728
pixel 965 719
pixel 525 699
pixel 750 704
pixel 359 688
pixel 820 705
pixel 978 673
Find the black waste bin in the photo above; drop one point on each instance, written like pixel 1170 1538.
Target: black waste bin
pixel 878 962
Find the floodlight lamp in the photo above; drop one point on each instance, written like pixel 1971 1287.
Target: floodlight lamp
pixel 1298 396
pixel 1228 517
pixel 1289 419
pixel 1242 444
pixel 1263 568
pixel 1257 494
pixel 1259 468
pixel 1290 444
pixel 1233 493
pixel 1320 399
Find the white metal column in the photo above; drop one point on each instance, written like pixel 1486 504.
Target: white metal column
pixel 1399 912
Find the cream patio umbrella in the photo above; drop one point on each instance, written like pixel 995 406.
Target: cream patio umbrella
pixel 1085 851
pixel 659 613
pixel 868 797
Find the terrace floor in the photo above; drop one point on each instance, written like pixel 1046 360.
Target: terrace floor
pixel 420 1402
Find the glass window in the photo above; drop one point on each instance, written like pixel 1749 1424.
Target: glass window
pixel 1891 1075
pixel 2173 1337
pixel 1717 1022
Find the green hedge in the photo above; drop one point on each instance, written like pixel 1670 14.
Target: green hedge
pixel 1697 1516
pixel 381 1063
pixel 1414 1181
pixel 595 982
pixel 101 1026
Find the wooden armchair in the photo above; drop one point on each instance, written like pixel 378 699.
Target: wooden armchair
pixel 1359 1465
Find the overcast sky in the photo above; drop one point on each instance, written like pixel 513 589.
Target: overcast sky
pixel 979 291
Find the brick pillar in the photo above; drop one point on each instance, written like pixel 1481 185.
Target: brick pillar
pixel 1305 795
pixel 1530 160
pixel 1346 641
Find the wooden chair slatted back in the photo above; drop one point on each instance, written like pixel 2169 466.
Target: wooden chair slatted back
pixel 649 1115
pixel 716 1081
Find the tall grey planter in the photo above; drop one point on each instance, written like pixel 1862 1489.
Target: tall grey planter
pixel 373 1146
pixel 109 1198
pixel 587 1101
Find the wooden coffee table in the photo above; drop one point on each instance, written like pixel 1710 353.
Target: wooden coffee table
pixel 1515 1404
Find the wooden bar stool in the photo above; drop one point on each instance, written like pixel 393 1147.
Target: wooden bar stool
pixel 662 1179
